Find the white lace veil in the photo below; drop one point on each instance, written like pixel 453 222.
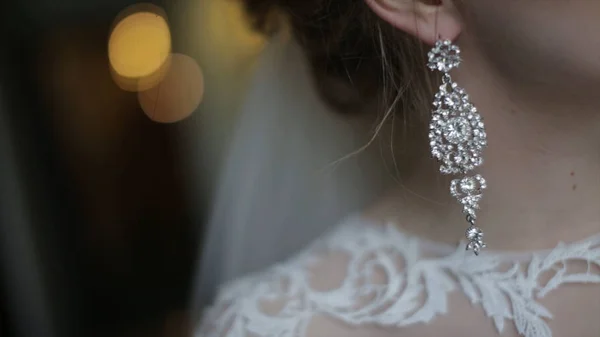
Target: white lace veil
pixel 278 189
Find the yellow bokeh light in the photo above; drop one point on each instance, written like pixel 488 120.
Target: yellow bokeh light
pixel 139 47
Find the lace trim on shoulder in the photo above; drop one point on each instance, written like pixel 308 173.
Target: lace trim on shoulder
pixel 388 282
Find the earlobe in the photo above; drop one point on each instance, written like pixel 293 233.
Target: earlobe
pixel 422 19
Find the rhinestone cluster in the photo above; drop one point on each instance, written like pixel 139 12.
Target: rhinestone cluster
pixel 456 134
pixel 468 191
pixel 457 138
pixel 444 56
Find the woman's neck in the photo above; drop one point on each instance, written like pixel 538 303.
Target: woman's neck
pixel 542 166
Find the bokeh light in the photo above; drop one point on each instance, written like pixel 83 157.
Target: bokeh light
pixel 178 94
pixel 139 47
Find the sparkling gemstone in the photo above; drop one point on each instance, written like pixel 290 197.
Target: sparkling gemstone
pixel 441 64
pixel 468 185
pixel 457 130
pixel 474 234
pixel 452 100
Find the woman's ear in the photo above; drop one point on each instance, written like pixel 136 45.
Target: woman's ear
pixel 425 19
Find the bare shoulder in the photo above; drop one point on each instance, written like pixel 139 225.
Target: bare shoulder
pixel 318 293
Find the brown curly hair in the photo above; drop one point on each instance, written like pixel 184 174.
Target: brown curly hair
pixel 357 58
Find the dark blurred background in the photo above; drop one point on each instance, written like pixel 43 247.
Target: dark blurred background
pixel 103 197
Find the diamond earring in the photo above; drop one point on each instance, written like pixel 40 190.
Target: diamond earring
pixel 457 138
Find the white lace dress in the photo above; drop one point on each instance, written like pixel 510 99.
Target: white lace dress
pixel 367 280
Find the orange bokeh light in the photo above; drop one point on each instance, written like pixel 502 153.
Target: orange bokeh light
pixel 178 94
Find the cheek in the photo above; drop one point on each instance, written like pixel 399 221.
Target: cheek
pixel 538 41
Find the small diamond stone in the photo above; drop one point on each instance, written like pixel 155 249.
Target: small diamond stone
pixel 468 185
pixel 474 234
pixel 452 100
pixel 457 130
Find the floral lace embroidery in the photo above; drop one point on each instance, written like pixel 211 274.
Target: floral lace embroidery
pixel 415 289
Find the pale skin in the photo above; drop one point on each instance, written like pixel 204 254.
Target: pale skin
pixel 533 70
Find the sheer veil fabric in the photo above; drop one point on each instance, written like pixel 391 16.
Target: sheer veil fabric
pixel 281 186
